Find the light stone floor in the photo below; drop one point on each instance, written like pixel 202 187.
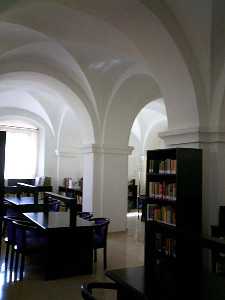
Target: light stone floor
pixel 125 249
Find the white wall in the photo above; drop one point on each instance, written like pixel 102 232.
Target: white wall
pixel 150 121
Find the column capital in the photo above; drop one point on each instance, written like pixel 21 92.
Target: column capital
pixel 69 152
pixel 199 135
pixel 106 149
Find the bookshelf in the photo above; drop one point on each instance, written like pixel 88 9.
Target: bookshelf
pixel 132 195
pixel 173 222
pixel 73 193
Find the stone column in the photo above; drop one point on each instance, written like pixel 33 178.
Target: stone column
pixel 106 183
pixel 212 142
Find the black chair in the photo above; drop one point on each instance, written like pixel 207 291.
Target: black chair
pixel 87 289
pixel 10 238
pixel 23 239
pixel 100 237
pixel 29 240
pixel 85 215
pixel 54 205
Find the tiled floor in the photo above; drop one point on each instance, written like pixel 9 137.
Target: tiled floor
pixel 124 249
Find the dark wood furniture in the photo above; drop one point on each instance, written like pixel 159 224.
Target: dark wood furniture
pixel 72 193
pixel 70 248
pixel 100 237
pixel 132 195
pixel 133 285
pixel 218 233
pixel 14 181
pixel 27 189
pixel 88 288
pixel 173 222
pixel 130 281
pixel 2 169
pixel 25 204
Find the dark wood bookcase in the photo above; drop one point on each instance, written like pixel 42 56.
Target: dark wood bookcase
pixel 2 168
pixel 73 193
pixel 173 223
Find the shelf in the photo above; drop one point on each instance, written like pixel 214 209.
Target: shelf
pixel 161 201
pixel 161 177
pixel 160 255
pixel 162 224
pixel 171 250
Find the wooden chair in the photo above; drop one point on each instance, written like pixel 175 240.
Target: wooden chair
pixel 100 237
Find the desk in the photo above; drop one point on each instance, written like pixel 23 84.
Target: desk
pixel 217 246
pixel 25 204
pixel 130 282
pixel 70 248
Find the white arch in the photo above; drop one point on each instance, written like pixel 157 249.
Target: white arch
pixel 217 115
pixel 41 83
pixel 126 105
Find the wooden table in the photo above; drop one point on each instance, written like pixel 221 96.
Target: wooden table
pixel 25 204
pixel 70 248
pixel 131 282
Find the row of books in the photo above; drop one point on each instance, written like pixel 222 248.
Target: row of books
pixel 162 190
pixel 165 214
pixel 165 246
pixel 167 166
pixel 68 182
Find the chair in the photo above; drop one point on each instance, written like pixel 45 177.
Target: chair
pixel 100 237
pixel 22 239
pixel 86 289
pixel 54 205
pixel 28 241
pixel 85 215
pixel 10 239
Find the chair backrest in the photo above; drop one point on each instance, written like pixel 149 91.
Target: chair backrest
pixel 10 230
pixel 54 205
pixel 25 235
pixel 101 231
pixel 85 215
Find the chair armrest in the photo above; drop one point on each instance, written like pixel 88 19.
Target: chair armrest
pixel 86 289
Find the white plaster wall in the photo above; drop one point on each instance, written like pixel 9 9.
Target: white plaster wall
pixel 92 56
pixel 192 15
pixel 134 158
pixel 70 156
pixel 153 141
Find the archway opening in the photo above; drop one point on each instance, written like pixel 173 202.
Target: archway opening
pixel 57 114
pixel 144 135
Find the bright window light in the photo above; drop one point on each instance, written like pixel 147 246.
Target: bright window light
pixel 20 150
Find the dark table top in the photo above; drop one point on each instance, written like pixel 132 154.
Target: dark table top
pixel 21 200
pixel 131 279
pixel 52 220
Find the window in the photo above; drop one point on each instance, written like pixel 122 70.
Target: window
pixel 21 149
